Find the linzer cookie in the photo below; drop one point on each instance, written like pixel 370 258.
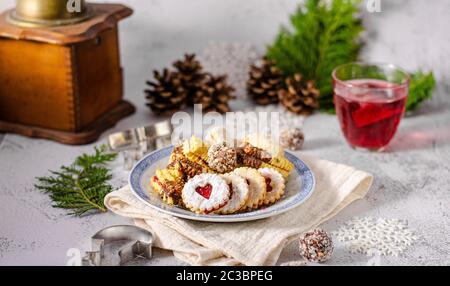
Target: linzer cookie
pixel 257 186
pixel 239 193
pixel 205 193
pixel 274 185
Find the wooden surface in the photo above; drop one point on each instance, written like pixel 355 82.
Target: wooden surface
pixel 84 136
pixel 105 17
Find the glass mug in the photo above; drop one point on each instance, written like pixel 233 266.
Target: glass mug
pixel 370 101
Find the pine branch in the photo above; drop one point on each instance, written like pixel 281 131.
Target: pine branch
pixel 82 186
pixel 322 37
pixel 420 89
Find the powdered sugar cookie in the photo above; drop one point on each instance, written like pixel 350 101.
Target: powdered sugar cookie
pixel 205 193
pixel 274 184
pixel 239 193
pixel 257 186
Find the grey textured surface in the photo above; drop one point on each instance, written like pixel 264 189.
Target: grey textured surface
pixel 412 178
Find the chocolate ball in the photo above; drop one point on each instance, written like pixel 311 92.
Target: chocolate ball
pixel 316 245
pixel 292 139
pixel 221 158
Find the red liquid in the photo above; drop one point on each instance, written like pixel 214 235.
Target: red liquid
pixel 369 111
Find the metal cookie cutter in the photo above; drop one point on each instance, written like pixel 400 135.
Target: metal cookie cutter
pixel 140 244
pixel 135 143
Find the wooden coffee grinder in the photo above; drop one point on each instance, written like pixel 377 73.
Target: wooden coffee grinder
pixel 60 71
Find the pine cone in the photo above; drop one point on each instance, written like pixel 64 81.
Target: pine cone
pixel 214 94
pixel 166 94
pixel 265 82
pixel 191 74
pixel 299 96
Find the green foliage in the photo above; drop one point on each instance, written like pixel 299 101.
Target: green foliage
pixel 420 89
pixel 322 37
pixel 82 186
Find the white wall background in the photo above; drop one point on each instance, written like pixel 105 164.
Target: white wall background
pixel 409 33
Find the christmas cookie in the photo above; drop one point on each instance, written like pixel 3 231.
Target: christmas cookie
pixel 168 183
pixel 292 139
pixel 239 193
pixel 265 143
pixel 216 135
pixel 221 158
pixel 251 156
pixel 195 152
pixel 274 185
pixel 205 193
pixel 257 186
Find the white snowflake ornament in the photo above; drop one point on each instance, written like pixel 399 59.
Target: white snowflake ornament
pixel 363 235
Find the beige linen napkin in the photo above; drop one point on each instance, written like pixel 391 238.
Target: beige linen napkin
pixel 249 243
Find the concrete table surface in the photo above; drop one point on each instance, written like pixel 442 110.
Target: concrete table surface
pixel 412 178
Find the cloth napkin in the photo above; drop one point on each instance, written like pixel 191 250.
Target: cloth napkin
pixel 247 243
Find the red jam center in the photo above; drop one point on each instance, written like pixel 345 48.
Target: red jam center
pixel 268 184
pixel 204 191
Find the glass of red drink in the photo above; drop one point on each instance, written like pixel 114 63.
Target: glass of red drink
pixel 370 102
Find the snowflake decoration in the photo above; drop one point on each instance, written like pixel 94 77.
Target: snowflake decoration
pixel 363 235
pixel 232 59
pixel 295 263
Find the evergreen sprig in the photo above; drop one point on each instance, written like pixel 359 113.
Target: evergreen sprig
pixel 82 186
pixel 323 36
pixel 420 89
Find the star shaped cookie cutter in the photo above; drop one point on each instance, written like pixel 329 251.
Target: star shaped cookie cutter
pixel 139 244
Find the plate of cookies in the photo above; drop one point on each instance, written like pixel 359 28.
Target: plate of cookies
pixel 220 182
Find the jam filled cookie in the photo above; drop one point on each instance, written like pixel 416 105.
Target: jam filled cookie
pixel 205 193
pixel 239 193
pixel 274 185
pixel 257 187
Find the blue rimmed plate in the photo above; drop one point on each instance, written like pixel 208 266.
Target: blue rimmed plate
pixel 299 187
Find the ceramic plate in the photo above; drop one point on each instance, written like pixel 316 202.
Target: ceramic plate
pixel 299 187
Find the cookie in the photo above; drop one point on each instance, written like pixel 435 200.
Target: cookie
pixel 216 135
pixel 255 157
pixel 195 152
pixel 257 187
pixel 168 183
pixel 239 193
pixel 221 158
pixel 205 193
pixel 266 143
pixel 274 185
